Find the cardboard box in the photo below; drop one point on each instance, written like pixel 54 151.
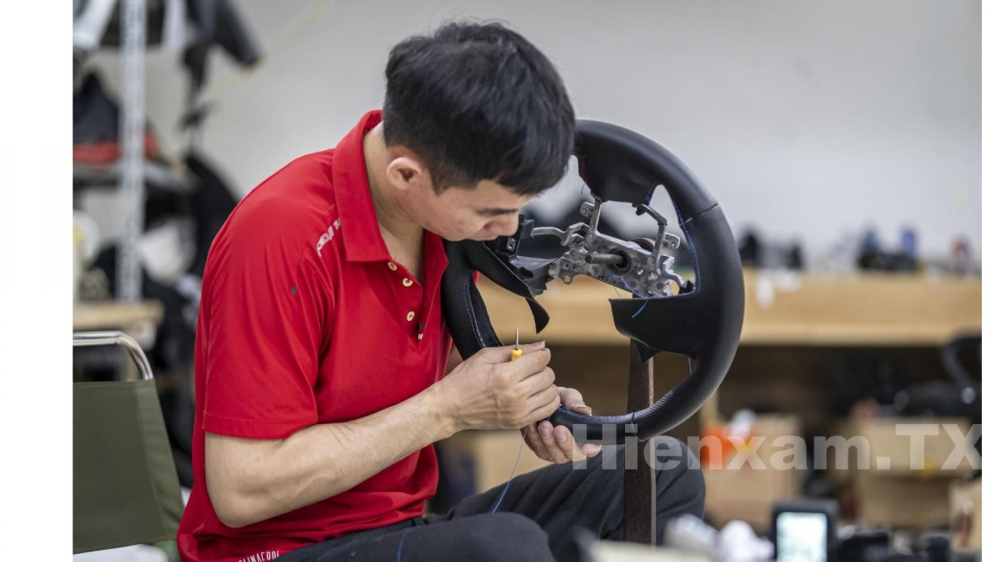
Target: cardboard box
pixel 889 454
pixel 899 501
pixel 893 454
pixel 746 493
pixel 894 483
pixel 966 510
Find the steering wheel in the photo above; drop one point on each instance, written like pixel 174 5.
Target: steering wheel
pixel 701 319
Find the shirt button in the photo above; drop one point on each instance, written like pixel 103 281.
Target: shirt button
pixel 409 316
pixel 392 266
pixel 407 282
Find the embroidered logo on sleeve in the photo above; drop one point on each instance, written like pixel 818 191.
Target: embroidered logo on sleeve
pixel 262 556
pixel 327 236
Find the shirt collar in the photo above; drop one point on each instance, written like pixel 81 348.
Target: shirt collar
pixel 358 222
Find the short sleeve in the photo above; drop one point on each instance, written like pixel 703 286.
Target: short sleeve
pixel 268 301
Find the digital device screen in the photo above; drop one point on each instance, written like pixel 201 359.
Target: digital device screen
pixel 801 537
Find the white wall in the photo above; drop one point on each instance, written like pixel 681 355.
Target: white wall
pixel 805 118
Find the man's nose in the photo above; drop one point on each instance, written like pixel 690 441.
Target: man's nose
pixel 504 227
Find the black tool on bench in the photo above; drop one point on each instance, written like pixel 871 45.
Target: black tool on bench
pixel 700 318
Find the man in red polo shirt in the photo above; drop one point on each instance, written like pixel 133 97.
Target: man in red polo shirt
pixel 322 353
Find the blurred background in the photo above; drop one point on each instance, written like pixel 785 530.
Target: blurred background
pixel 842 139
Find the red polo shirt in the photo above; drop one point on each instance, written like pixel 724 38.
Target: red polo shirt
pixel 306 319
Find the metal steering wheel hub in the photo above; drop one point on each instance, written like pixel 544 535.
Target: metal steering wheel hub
pixel 641 266
pixel 700 318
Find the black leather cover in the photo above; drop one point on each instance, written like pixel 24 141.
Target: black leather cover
pixel 464 309
pixel 622 165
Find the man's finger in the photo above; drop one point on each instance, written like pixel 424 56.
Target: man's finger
pixel 537 382
pixel 549 438
pixel 530 363
pixel 535 442
pixel 544 411
pixel 570 396
pixel 496 354
pixel 566 443
pixel 542 399
pixel 573 400
pixel 502 354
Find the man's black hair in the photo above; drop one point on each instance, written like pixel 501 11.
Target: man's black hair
pixel 477 101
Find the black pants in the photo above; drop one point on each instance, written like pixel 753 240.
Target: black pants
pixel 536 520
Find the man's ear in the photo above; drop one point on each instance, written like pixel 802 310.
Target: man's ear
pixel 406 171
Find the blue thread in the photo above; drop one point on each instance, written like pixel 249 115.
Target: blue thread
pixel 644 302
pixel 399 551
pixel 691 248
pixel 511 479
pixel 641 308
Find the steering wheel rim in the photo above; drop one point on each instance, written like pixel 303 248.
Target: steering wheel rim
pixel 703 324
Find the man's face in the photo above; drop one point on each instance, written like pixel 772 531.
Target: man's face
pixel 483 213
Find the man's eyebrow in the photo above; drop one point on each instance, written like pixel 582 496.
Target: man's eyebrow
pixel 496 211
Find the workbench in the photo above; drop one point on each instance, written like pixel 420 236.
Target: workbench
pixel 107 315
pixel 782 309
pixel 791 313
pixel 795 325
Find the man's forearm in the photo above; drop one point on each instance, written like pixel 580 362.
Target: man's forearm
pixel 317 462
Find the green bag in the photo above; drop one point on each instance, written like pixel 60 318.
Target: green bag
pixel 125 488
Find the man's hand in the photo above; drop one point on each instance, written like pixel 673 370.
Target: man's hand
pixel 556 444
pixel 489 391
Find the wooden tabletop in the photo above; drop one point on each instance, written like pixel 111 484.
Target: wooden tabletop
pixel 865 309
pixel 113 315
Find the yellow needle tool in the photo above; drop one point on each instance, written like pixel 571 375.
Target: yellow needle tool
pixel 516 352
